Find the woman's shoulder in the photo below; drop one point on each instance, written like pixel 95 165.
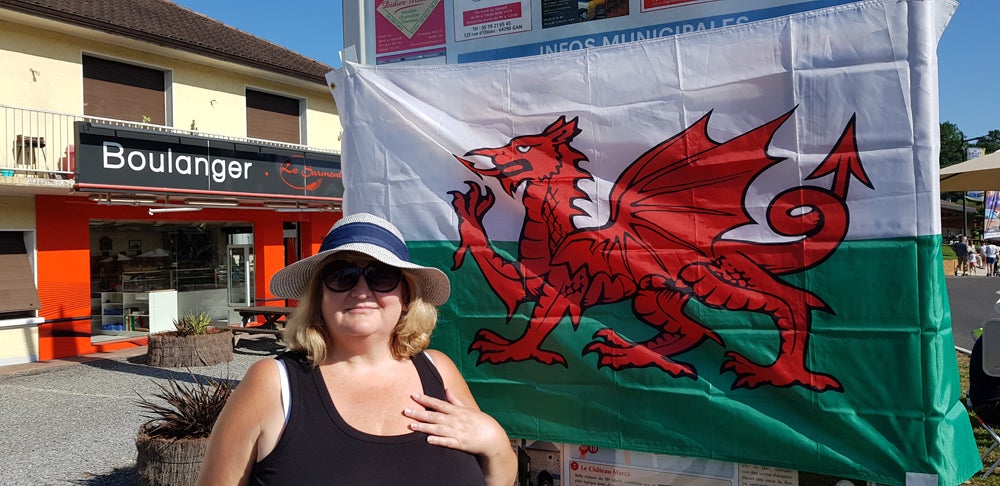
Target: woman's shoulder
pixel 437 357
pixel 294 356
pixel 261 370
pixel 445 366
pixel 259 386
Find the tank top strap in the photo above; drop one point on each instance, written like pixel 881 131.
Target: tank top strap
pixel 429 376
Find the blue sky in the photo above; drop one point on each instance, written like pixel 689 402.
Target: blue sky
pixel 969 69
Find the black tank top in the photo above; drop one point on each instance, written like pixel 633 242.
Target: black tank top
pixel 319 447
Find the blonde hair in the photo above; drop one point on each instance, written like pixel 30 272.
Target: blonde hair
pixel 306 330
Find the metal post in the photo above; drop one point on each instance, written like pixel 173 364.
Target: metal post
pixel 965 216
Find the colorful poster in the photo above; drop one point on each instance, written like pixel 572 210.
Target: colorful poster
pixel 601 466
pixel 402 25
pixel 475 19
pixel 388 31
pixel 675 246
pixel 991 215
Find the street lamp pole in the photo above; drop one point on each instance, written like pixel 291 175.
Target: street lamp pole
pixel 965 194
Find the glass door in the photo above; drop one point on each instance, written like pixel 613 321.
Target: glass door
pixel 239 268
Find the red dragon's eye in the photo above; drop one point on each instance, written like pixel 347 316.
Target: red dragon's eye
pixel 523 148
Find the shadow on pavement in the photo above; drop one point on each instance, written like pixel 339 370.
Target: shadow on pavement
pixel 137 365
pixel 261 346
pixel 120 476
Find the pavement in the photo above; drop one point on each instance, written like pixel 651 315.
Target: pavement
pixel 74 420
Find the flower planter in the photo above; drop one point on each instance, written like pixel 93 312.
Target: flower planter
pixel 169 350
pixel 949 267
pixel 165 461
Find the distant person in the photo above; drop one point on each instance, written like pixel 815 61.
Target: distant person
pixel 974 263
pixel 990 253
pixel 961 249
pixel 984 390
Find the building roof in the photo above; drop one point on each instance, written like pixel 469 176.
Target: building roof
pixel 165 23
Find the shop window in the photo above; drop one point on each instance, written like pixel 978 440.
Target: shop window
pixel 18 285
pixel 272 117
pixel 122 91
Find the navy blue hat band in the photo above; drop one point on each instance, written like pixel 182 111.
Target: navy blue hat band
pixel 369 233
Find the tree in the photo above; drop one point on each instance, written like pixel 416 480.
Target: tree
pixel 952 145
pixel 991 142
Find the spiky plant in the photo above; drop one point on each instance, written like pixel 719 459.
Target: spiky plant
pixel 189 410
pixel 193 323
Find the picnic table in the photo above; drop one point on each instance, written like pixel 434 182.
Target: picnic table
pixel 274 320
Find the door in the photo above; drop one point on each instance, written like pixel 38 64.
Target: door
pixel 239 268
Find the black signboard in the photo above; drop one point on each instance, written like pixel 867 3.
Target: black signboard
pixel 109 157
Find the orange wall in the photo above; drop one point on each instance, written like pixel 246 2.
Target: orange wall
pixel 63 227
pixel 63 276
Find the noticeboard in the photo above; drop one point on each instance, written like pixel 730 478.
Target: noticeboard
pixel 460 31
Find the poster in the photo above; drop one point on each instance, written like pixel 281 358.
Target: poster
pixel 460 31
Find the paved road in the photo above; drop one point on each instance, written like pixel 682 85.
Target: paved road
pixel 972 300
pixel 74 421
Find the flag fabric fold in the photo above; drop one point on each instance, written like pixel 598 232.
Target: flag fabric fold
pixel 723 244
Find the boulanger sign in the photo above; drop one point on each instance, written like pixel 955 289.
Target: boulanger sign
pixel 127 158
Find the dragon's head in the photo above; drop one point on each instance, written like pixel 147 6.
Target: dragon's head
pixel 528 158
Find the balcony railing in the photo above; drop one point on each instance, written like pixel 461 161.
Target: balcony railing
pixel 40 144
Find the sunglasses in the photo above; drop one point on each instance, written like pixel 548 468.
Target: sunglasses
pixel 343 276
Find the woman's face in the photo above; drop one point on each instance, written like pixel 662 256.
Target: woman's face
pixel 361 298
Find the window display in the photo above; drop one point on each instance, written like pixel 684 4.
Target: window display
pixel 131 259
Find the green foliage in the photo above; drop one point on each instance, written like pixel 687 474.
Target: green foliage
pixel 947 252
pixel 952 146
pixel 193 323
pixel 189 410
pixel 990 142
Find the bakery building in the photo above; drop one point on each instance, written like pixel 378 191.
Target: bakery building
pixel 154 162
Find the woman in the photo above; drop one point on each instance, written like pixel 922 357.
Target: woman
pixel 358 399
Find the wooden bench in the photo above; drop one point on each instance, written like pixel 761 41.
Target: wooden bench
pixel 274 321
pixel 237 330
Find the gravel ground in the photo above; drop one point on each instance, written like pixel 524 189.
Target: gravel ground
pixel 74 421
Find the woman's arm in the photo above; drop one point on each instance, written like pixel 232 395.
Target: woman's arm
pixel 459 424
pixel 246 425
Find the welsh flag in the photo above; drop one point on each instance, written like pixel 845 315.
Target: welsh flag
pixel 724 244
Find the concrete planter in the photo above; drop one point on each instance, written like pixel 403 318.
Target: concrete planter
pixel 169 350
pixel 949 267
pixel 162 461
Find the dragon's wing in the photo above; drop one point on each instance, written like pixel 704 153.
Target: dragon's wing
pixel 688 190
pixel 674 200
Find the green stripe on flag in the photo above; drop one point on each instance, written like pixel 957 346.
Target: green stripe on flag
pixel 888 340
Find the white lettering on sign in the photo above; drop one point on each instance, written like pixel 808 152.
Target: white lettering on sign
pixel 612 38
pixel 115 156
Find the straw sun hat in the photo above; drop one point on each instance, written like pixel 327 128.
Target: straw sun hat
pixel 373 236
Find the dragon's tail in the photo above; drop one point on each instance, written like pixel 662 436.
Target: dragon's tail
pixel 816 217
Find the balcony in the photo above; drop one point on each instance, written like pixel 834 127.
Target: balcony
pixel 38 154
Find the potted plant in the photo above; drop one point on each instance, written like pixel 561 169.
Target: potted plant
pixel 171 444
pixel 195 343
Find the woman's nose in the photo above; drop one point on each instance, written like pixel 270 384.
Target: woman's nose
pixel 361 287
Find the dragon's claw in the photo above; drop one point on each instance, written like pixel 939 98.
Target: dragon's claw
pixel 751 375
pixel 619 353
pixel 487 336
pixel 470 207
pixel 612 338
pixel 496 349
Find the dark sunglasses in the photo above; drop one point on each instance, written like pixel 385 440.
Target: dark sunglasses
pixel 343 276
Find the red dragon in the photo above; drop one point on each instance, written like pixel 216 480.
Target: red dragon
pixel 663 245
